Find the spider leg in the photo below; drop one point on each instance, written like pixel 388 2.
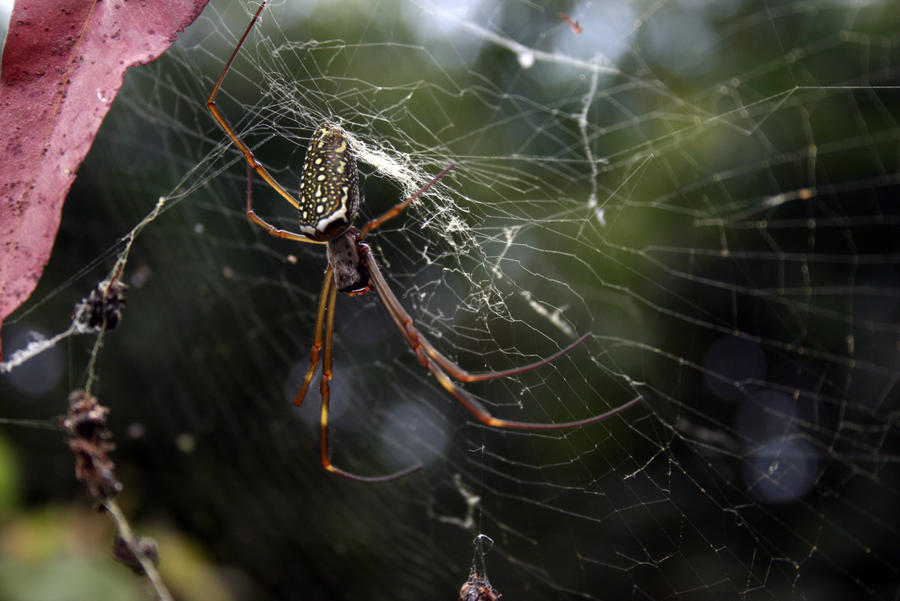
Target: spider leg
pixel 405 322
pixel 454 370
pixel 464 375
pixel 327 287
pixel 245 150
pixel 270 229
pixel 326 306
pixel 485 417
pixel 433 361
pixel 398 208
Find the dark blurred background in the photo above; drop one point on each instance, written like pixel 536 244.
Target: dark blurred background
pixel 710 188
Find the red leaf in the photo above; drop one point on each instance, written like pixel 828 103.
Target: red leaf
pixel 63 64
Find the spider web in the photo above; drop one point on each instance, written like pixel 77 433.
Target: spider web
pixel 708 188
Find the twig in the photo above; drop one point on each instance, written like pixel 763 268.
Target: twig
pixel 90 441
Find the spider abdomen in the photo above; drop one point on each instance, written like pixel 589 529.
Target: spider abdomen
pixel 350 273
pixel 329 184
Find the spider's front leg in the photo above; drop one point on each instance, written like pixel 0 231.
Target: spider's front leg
pixel 323 342
pixel 436 363
pixel 326 395
pixel 346 273
pixel 327 285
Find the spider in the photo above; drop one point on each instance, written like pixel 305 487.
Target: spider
pixel 327 205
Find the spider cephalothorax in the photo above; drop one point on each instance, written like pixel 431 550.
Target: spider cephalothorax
pixel 350 273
